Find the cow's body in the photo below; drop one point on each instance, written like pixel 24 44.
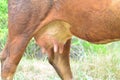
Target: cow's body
pixel 52 23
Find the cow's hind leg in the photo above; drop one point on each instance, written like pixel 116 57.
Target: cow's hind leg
pixel 19 35
pixel 23 21
pixel 61 62
pixel 11 56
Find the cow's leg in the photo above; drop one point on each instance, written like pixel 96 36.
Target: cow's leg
pixel 19 35
pixel 61 62
pixel 23 21
pixel 11 56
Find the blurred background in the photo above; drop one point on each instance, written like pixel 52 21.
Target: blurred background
pixel 88 61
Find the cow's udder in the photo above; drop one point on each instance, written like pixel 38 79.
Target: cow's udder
pixel 53 35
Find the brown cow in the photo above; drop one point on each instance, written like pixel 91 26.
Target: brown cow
pixel 52 23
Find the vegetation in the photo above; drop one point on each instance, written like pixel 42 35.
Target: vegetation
pixel 3 22
pixel 88 61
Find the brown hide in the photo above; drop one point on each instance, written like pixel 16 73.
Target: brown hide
pixel 92 20
pixel 52 23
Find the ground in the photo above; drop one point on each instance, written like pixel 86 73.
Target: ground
pixel 96 67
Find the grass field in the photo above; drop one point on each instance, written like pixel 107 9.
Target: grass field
pixel 91 67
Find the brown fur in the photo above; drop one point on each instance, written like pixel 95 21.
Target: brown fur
pixel 52 23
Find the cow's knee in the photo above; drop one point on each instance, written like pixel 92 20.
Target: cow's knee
pixel 8 69
pixel 3 54
pixel 11 56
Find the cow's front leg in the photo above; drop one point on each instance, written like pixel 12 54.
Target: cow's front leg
pixel 11 56
pixel 61 62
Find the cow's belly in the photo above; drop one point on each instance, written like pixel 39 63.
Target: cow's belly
pixel 98 32
pixel 54 35
pixel 98 26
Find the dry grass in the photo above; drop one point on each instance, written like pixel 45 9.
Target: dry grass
pixel 35 70
pixel 91 67
pixel 102 67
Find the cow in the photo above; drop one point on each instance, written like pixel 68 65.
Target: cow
pixel 52 23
